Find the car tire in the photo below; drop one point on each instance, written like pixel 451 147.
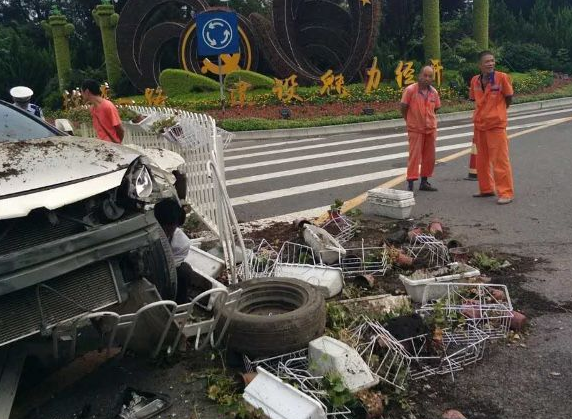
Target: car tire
pixel 300 317
pixel 162 271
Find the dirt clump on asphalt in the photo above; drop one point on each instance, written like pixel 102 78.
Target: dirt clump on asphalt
pixel 515 279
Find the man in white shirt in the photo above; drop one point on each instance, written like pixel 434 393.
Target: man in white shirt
pixel 171 216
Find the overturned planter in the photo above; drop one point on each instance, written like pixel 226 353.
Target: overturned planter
pixel 328 280
pixel 416 283
pixel 328 355
pixel 279 400
pixel 205 262
pixel 323 244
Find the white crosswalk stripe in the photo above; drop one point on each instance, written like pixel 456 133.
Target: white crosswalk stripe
pixel 339 152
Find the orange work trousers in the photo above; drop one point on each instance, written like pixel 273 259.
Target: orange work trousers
pixel 492 153
pixel 421 152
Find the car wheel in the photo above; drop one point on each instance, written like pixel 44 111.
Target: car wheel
pixel 275 316
pixel 162 271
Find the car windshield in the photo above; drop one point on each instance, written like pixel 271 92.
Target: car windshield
pixel 16 125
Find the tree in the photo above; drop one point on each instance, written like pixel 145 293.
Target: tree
pixel 401 29
pixel 431 29
pixel 106 18
pixel 58 29
pixel 481 23
pixel 503 24
pixel 23 61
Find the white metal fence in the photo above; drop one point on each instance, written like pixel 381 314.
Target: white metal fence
pixel 196 139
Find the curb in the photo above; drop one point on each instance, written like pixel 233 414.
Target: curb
pixel 362 127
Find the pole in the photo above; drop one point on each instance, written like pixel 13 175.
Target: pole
pixel 220 82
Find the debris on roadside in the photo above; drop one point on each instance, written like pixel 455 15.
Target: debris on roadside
pixel 138 404
pixel 518 321
pixel 341 227
pixel 416 284
pixel 280 400
pixel 299 261
pixel 373 402
pixel 453 414
pixel 328 391
pixel 327 355
pixel 385 303
pixel 436 229
pixel 323 243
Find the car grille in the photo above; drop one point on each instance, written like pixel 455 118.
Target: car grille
pixel 33 230
pixel 62 298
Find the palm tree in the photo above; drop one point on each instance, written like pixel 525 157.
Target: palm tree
pixel 481 23
pixel 432 29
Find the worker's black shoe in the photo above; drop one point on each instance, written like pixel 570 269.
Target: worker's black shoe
pixel 483 195
pixel 410 185
pixel 427 187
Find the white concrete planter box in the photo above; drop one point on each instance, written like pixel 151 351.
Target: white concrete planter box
pixel 328 355
pixel 205 262
pixel 323 244
pixel 329 280
pixel 415 286
pixel 391 203
pixel 279 400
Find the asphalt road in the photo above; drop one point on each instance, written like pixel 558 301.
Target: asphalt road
pixel 276 177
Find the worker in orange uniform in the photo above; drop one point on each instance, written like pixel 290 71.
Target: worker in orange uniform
pixel 419 104
pixel 492 92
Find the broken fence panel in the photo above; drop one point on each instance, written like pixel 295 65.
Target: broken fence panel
pixel 364 260
pixel 427 247
pixel 487 307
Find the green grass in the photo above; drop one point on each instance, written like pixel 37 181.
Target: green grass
pixel 255 124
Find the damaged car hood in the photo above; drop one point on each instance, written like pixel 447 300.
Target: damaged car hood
pixel 33 170
pixel 35 164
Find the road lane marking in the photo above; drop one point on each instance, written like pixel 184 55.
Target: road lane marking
pixel 313 187
pixel 329 166
pixel 344 152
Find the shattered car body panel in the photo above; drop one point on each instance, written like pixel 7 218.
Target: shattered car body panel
pixel 75 230
pixel 21 205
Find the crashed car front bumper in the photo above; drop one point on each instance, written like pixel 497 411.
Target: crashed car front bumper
pixel 56 281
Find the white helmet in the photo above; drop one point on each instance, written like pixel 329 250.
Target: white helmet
pixel 21 93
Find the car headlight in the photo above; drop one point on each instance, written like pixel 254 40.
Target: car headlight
pixel 138 183
pixel 143 183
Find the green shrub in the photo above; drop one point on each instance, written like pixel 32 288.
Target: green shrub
pixel 468 49
pixel 53 101
pixel 179 82
pixel 76 77
pixel 524 57
pixel 123 87
pixel 531 82
pixel 468 70
pixel 256 80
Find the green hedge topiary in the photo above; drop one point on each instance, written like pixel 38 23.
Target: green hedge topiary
pixel 178 82
pixel 257 80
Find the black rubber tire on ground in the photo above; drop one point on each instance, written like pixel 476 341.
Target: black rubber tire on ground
pixel 161 268
pixel 258 335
